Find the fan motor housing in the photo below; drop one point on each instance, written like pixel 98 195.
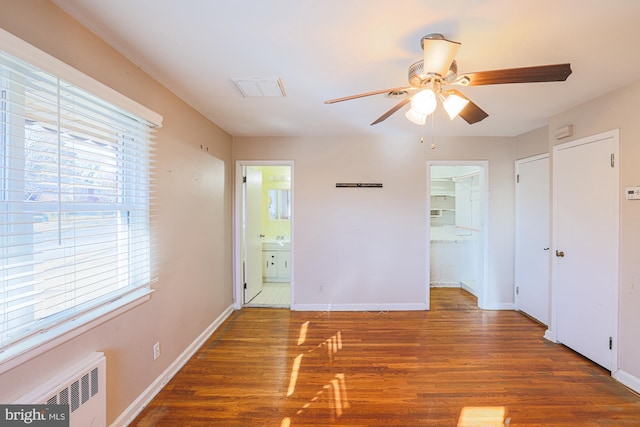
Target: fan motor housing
pixel 418 78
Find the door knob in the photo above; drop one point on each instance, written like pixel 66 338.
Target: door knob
pixel 559 254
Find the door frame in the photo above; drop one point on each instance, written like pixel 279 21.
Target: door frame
pixel 551 334
pixel 237 226
pixel 483 274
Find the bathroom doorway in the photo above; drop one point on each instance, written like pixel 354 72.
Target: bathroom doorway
pixel 457 205
pixel 264 217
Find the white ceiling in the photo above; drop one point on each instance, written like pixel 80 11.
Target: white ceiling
pixel 323 49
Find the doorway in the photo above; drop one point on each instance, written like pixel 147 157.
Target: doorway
pixel 457 198
pixel 263 234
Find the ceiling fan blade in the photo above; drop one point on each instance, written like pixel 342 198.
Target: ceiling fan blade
pixel 542 73
pixel 471 113
pixel 376 92
pixel 393 110
pixel 439 53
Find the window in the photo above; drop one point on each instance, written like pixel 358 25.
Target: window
pixel 74 203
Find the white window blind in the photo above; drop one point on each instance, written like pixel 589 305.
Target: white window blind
pixel 74 201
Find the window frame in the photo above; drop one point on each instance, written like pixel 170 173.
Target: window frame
pixel 24 350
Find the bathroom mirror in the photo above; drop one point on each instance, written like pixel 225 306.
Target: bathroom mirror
pixel 279 204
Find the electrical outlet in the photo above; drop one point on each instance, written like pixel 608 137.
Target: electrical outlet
pixel 156 350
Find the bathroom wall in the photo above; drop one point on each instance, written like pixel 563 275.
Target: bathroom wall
pixel 274 178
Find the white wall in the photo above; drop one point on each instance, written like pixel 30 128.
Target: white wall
pixel 364 248
pixel 618 109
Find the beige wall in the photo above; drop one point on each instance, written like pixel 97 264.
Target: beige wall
pixel 369 246
pixel 192 220
pixel 532 143
pixel 617 110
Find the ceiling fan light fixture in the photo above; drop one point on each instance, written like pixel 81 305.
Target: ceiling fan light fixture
pixel 424 102
pixel 453 104
pixel 430 78
pixel 415 117
pixel 438 54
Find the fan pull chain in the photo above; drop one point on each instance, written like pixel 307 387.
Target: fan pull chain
pixel 424 130
pixel 433 136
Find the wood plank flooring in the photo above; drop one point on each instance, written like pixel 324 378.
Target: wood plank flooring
pixel 275 367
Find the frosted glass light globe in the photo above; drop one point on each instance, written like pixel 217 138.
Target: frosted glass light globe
pixel 424 102
pixel 415 117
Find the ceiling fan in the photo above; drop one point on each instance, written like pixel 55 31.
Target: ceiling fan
pixel 436 77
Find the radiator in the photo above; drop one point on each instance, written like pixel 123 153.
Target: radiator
pixel 82 387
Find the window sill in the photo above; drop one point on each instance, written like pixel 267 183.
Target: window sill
pixel 24 351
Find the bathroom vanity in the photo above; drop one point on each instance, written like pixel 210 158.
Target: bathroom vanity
pixel 276 261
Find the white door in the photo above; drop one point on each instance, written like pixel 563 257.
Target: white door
pixel 585 226
pixel 532 237
pixel 253 228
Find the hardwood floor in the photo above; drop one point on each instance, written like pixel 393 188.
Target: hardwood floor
pixel 275 367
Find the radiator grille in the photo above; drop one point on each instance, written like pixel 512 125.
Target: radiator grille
pixel 82 387
pixel 81 391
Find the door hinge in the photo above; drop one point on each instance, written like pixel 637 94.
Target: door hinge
pixel 610 343
pixel 245 286
pixel 613 160
pixel 517 290
pixel 518 179
pixel 244 179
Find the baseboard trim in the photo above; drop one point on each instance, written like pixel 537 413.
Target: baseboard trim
pixel 627 380
pixel 445 284
pixel 499 306
pixel 469 289
pixel 154 388
pixel 550 335
pixel 360 307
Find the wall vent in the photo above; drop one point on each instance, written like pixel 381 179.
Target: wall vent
pixel 260 87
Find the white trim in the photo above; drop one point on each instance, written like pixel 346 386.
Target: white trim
pixel 471 290
pixel 133 410
pixel 31 54
pixel 532 158
pixel 447 285
pixel 500 306
pixel 361 307
pixel 627 380
pixel 20 353
pixel 550 335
